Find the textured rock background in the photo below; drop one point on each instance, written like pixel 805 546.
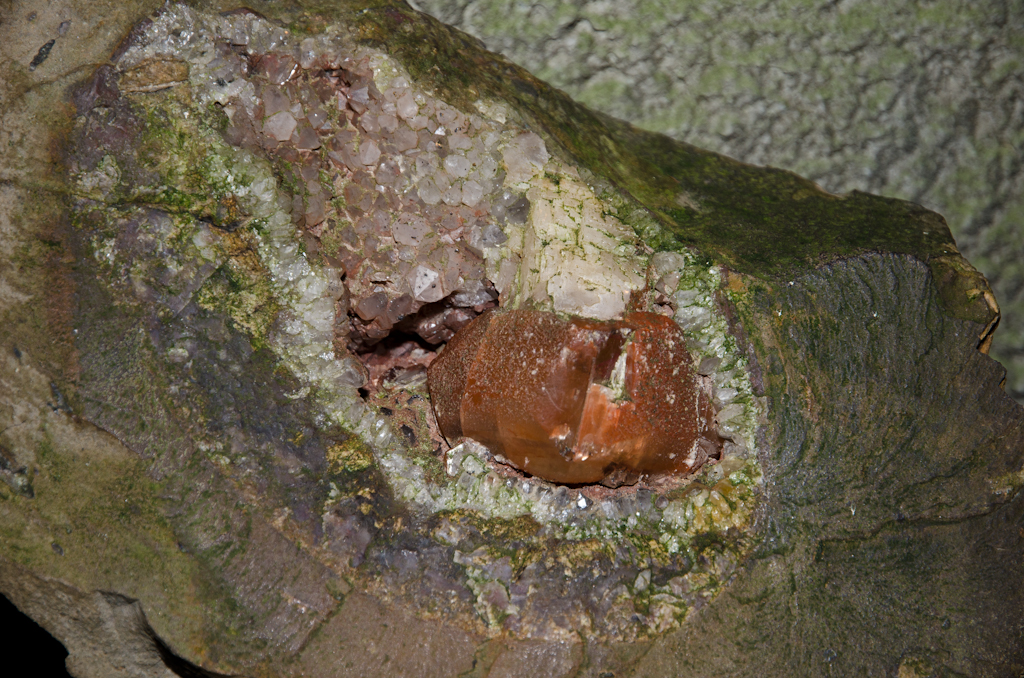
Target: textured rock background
pixel 922 101
pixel 890 536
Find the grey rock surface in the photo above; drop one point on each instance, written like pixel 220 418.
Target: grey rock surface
pixel 919 101
pixel 106 634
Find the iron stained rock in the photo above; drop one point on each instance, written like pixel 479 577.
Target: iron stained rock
pixel 576 401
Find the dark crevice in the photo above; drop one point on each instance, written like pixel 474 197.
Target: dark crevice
pixel 397 351
pixel 376 317
pixel 23 635
pixel 131 619
pixel 179 666
pixel 399 360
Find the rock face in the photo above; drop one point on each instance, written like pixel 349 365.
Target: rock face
pixel 232 251
pixel 926 112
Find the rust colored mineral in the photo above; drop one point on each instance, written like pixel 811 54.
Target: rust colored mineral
pixel 576 401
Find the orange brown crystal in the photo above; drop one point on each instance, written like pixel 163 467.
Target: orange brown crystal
pixel 575 401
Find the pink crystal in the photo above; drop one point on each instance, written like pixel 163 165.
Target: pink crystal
pixel 280 126
pixel 369 152
pixel 279 68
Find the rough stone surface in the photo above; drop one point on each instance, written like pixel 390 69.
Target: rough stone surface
pixel 105 634
pixel 364 638
pixel 914 101
pixel 193 483
pixel 848 552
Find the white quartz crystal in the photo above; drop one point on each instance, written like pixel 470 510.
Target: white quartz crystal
pixel 472 192
pixel 575 257
pixel 407 107
pixel 524 157
pixel 457 165
pixel 426 284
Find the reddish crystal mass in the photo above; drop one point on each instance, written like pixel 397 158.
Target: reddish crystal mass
pixel 575 401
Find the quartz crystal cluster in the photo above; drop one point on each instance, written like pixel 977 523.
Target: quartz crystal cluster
pixel 427 213
pixel 398 190
pixel 389 219
pixel 350 222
